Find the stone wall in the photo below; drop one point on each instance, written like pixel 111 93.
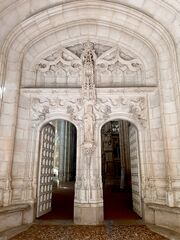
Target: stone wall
pixel 133 75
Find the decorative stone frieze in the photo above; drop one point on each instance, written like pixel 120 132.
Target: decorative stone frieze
pixel 99 64
pixel 101 109
pixel 47 105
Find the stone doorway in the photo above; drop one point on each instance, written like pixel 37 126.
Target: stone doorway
pixel 57 170
pixel 120 170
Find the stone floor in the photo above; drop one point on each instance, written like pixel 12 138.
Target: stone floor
pixel 105 232
pixel 121 222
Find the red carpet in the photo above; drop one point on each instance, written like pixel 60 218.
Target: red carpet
pixel 62 205
pixel 117 205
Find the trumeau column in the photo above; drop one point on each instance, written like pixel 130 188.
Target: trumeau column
pixel 88 207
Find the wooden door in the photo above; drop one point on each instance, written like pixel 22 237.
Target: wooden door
pixel 135 170
pixel 46 160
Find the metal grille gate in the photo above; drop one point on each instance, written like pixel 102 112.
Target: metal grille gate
pixel 46 159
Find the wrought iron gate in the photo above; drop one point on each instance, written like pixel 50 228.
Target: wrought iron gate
pixel 46 159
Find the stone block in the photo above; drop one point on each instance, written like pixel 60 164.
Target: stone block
pixel 88 214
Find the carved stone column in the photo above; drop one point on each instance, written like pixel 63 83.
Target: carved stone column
pixel 88 204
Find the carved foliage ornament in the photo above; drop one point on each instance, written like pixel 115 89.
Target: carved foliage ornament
pixel 133 105
pixel 45 105
pixel 101 109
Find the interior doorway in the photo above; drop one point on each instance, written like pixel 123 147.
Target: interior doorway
pixel 57 170
pixel 120 170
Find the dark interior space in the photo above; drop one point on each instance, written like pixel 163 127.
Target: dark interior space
pixel 116 171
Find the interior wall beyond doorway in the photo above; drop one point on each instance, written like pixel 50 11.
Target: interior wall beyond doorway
pixel 120 160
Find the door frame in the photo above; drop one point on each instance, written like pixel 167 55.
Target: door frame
pixel 141 133
pixel 36 135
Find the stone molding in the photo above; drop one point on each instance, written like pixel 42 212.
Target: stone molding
pixel 14 208
pixel 165 208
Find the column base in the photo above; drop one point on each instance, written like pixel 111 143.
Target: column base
pixel 88 214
